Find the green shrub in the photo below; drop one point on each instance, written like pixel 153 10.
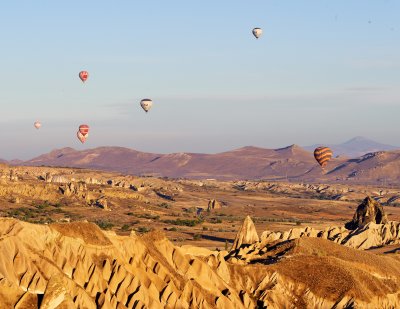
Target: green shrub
pixel 143 229
pixel 165 205
pixel 215 220
pixel 149 216
pixel 125 227
pixel 183 222
pixel 43 205
pixel 197 237
pixel 104 225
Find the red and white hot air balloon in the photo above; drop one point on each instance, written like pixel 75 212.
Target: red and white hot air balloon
pixel 84 129
pixel 83 75
pixel 37 125
pixel 83 133
pixel 80 137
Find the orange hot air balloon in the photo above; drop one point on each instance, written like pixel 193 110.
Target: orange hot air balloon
pixel 83 75
pixel 80 136
pixel 37 125
pixel 323 155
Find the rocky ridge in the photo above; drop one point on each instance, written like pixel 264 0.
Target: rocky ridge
pixel 79 265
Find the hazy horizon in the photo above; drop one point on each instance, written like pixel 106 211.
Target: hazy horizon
pixel 322 72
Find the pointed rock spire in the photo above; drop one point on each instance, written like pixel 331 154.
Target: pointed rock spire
pixel 246 235
pixel 213 204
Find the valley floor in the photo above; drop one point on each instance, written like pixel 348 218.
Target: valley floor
pixel 179 207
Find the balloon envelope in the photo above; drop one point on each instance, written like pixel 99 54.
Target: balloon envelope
pixel 323 155
pixel 83 75
pixel 146 104
pixel 81 137
pixel 257 32
pixel 84 130
pixel 37 124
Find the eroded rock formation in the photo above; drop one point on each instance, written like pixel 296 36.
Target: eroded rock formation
pixel 78 265
pixel 213 204
pixel 246 235
pixel 368 211
pixel 79 262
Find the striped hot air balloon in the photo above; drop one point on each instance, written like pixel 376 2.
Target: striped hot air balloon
pixel 323 155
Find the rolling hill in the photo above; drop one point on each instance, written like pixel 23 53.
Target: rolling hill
pixel 292 163
pixel 243 163
pixel 355 147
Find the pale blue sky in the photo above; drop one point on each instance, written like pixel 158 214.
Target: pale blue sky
pixel 323 72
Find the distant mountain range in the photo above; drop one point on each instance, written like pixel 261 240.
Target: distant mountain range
pixel 292 163
pixel 355 147
pixel 243 163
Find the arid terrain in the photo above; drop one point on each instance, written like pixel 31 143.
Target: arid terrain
pixel 292 163
pixel 179 207
pixel 84 238
pixel 200 155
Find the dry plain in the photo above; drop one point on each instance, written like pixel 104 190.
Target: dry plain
pixel 179 207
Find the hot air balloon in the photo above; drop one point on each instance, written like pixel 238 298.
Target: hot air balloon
pixel 323 155
pixel 37 125
pixel 83 75
pixel 80 136
pixel 257 32
pixel 146 104
pixel 83 132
